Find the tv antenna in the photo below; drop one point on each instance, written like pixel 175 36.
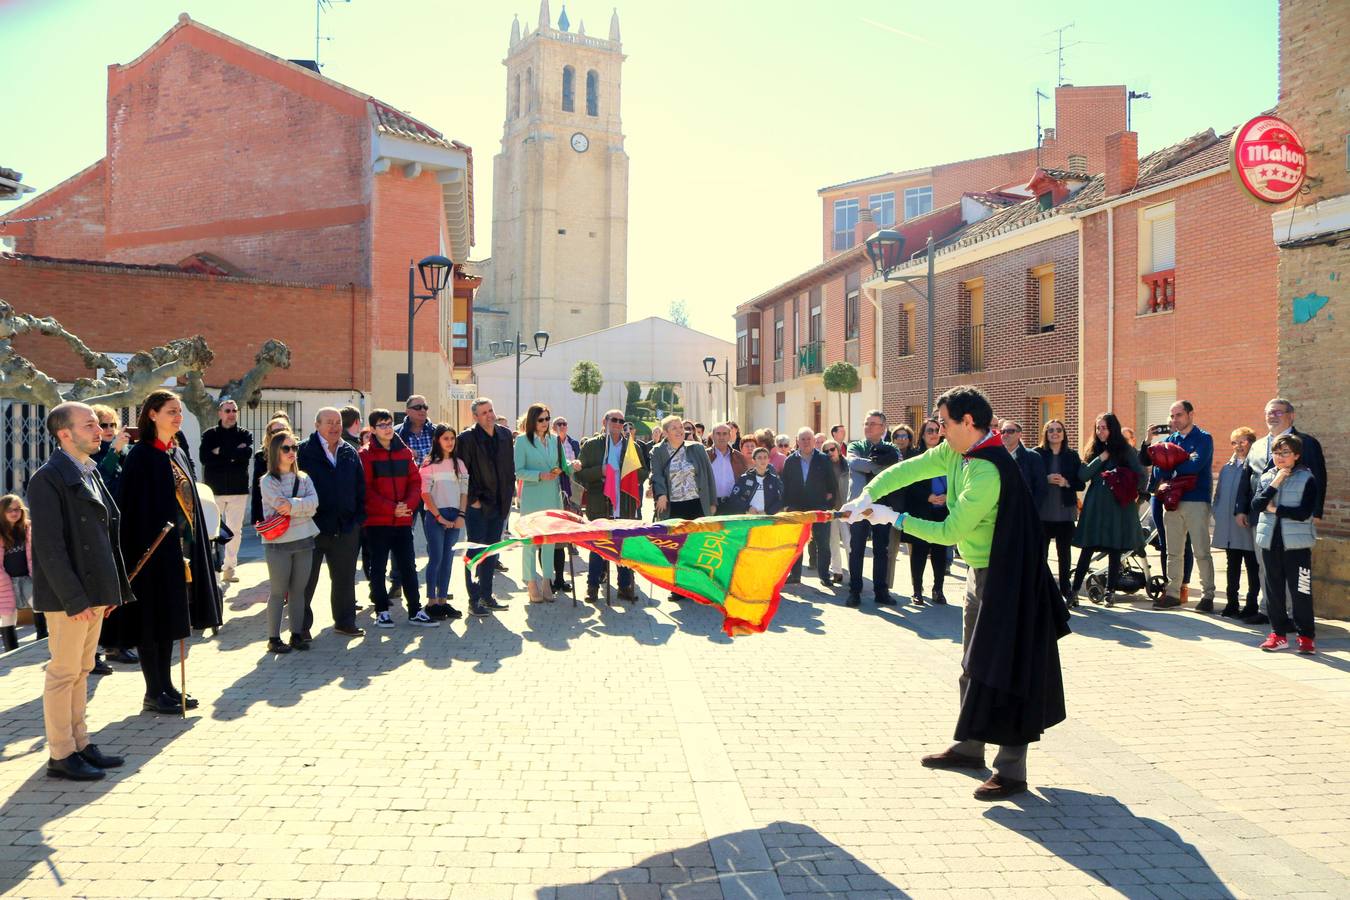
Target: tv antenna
pixel 1129 105
pixel 320 7
pixel 1060 48
pixel 1040 95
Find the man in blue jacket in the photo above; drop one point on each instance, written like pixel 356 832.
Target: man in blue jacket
pixel 1192 516
pixel 334 467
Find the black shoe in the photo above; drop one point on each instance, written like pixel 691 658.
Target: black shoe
pixel 298 642
pixel 792 580
pixel 854 600
pixel 501 566
pixel 1259 618
pixel 477 610
pixel 101 667
pixel 348 630
pixel 593 593
pixel 451 614
pixel 74 767
pixel 837 579
pixel 164 703
pixel 1167 603
pixel 277 645
pixel 628 594
pixel 494 605
pixel 1230 610
pixel 129 657
pixel 938 599
pixel 1205 605
pixel 178 698
pixel 98 759
pixel 561 587
pixel 885 600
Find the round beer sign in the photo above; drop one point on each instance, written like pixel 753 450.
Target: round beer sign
pixel 1268 159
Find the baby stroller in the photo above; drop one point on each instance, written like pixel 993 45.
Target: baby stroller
pixel 1134 570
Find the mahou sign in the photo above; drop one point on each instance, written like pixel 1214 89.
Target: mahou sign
pixel 1268 159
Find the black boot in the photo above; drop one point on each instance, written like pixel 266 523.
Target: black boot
pixel 40 625
pixel 1230 609
pixel 9 638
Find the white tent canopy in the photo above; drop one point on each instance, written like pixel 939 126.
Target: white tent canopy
pixel 647 351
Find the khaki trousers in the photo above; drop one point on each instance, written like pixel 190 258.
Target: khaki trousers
pixel 72 644
pixel 1010 761
pixel 1191 517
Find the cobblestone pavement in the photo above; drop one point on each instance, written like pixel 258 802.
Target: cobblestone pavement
pixel 567 752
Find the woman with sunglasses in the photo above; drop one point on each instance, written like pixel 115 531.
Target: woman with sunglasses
pixel 539 462
pixel 839 533
pixel 287 491
pixel 1059 505
pixel 902 436
pixel 927 499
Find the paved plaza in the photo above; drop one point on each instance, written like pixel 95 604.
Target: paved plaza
pixel 561 751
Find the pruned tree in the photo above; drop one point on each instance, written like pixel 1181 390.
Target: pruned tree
pixel 121 386
pixel 679 313
pixel 842 378
pixel 586 381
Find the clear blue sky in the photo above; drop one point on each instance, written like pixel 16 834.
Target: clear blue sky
pixel 735 112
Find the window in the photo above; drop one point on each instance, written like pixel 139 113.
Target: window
pixel 1044 277
pixel 851 312
pixel 1047 408
pixel 529 90
pixel 754 345
pixel 973 346
pixel 905 331
pixel 1154 401
pixel 814 330
pixel 845 223
pixel 569 89
pixel 1157 258
pixel 883 208
pixel 515 98
pixel 918 201
pixel 742 348
pixel 592 93
pixel 778 332
pixel 1162 241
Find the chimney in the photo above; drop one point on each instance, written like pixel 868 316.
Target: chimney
pixel 1122 162
pixel 865 226
pixel 1077 164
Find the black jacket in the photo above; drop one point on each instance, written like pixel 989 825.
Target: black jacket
pixel 491 461
pixel 816 491
pixel 77 555
pixel 1033 472
pixel 1016 688
pixel 745 489
pixel 1311 457
pixel 225 454
pixel 255 495
pixel 1069 465
pixel 341 488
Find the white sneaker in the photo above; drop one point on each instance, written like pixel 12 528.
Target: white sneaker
pixel 421 619
pixel 384 620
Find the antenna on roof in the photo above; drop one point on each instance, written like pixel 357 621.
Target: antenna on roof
pixel 1129 105
pixel 321 6
pixel 1040 95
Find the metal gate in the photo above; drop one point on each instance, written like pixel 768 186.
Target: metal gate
pixel 255 419
pixel 26 446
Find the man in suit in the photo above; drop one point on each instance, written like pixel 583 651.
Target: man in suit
pixel 809 483
pixel 600 460
pixel 1031 464
pixel 78 579
pixel 1279 421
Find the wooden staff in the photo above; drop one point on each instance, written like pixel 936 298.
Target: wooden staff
pixel 163 532
pixel 182 671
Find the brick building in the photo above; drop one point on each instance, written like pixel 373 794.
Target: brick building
pixel 829 316
pixel 226 159
pixel 1314 268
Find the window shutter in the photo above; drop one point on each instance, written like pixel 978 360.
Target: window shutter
pixel 1164 241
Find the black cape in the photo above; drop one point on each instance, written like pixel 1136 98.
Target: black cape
pixel 169 606
pixel 1016 689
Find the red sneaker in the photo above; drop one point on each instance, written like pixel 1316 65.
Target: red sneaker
pixel 1305 645
pixel 1275 642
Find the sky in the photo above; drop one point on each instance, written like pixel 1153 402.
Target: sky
pixel 735 111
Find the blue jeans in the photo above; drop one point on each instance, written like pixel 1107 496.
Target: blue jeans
pixel 440 542
pixel 596 570
pixel 481 528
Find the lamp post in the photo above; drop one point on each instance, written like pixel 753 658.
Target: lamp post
pixel 710 363
pixel 886 250
pixel 435 272
pixel 540 345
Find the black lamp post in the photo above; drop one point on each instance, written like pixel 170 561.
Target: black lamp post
pixel 435 272
pixel 710 363
pixel 886 249
pixel 540 345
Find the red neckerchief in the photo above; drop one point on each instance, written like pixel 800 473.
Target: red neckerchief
pixel 993 438
pixel 160 445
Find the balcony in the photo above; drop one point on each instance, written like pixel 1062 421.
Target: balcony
pixel 1161 291
pixel 970 349
pixel 811 358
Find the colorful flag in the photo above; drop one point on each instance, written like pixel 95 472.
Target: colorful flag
pixel 735 563
pixel 626 479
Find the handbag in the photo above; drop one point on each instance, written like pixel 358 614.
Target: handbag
pixel 272 527
pixel 16 561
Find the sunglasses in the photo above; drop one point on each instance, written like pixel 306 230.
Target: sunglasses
pixel 1054 430
pixel 544 419
pixel 560 423
pixel 107 425
pixel 289 448
pixel 421 407
pixel 1010 431
pixel 616 419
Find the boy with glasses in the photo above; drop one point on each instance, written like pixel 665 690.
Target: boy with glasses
pixel 393 489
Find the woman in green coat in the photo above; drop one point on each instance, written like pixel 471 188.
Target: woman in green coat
pixel 1105 526
pixel 538 467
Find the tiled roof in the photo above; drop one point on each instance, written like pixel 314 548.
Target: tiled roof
pixel 390 121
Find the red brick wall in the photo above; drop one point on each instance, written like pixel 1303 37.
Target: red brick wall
pixel 1219 342
pixel 951 180
pixel 118 310
pixel 73 214
pixel 1084 116
pixel 1020 363
pixel 213 147
pixel 407 220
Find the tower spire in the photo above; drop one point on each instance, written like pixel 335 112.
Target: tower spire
pixel 563 22
pixel 614 25
pixel 515 31
pixel 545 17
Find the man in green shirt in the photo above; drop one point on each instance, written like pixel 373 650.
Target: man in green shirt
pixel 1011 686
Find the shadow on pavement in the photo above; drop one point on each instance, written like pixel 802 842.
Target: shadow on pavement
pixel 1101 837
pixel 778 859
pixel 40 801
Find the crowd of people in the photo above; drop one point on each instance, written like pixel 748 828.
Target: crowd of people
pixel 117 513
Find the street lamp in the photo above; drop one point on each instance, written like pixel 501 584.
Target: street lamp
pixel 540 345
pixel 886 250
pixel 435 271
pixel 710 363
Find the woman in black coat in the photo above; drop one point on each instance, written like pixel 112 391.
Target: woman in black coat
pixel 927 499
pixel 1059 507
pixel 176 588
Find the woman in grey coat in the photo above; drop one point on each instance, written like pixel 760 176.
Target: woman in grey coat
pixel 1235 538
pixel 682 477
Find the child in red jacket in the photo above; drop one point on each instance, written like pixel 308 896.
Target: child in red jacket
pixel 393 489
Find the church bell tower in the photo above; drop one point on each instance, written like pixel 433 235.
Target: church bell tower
pixel 560 182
